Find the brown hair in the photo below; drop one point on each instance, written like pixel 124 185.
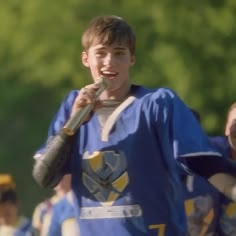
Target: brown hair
pixel 109 30
pixel 8 195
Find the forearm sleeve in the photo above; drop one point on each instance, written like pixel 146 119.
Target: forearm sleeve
pixel 48 167
pixel 207 166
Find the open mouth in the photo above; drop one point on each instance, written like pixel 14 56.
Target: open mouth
pixel 109 74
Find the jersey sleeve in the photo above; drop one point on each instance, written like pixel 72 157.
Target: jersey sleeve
pixel 183 137
pixel 63 114
pixel 178 127
pixel 58 122
pixel 192 146
pixel 189 139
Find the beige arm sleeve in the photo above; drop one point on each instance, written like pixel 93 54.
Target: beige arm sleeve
pixel 225 183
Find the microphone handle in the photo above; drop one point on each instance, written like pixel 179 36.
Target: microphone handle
pixel 78 118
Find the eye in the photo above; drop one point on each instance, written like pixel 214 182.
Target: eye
pixel 120 53
pixel 100 54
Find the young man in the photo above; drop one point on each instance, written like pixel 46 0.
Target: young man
pixel 12 223
pixel 227 146
pixel 126 154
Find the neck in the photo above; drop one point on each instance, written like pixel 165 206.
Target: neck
pixel 120 94
pixel 61 193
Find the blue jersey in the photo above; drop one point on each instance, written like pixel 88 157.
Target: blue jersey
pixel 202 205
pixel 42 215
pixel 228 218
pixel 125 174
pixel 39 213
pixel 63 220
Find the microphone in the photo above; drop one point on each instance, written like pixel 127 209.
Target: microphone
pixel 77 119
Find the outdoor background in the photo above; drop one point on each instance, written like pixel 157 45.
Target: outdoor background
pixel 186 45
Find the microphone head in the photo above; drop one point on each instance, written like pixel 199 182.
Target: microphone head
pixel 103 81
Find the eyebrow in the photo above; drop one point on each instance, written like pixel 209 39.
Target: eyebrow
pixel 120 48
pixel 115 48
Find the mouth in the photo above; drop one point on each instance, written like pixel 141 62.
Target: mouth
pixel 109 74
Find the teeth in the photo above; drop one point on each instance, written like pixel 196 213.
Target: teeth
pixel 108 73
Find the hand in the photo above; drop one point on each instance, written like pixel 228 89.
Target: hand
pixel 87 96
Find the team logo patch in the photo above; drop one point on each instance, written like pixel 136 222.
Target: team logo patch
pixel 228 219
pixel 105 175
pixel 200 214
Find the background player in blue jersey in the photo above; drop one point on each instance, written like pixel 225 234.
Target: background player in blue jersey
pixel 125 156
pixel 227 146
pixel 63 218
pixel 43 212
pixel 12 222
pixel 202 203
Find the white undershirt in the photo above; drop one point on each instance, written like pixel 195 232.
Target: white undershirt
pixel 105 111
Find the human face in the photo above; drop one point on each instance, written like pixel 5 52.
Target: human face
pixel 230 129
pixel 8 213
pixel 112 62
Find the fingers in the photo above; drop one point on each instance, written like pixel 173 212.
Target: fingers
pixel 87 95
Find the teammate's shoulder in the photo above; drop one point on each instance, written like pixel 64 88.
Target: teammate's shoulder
pixel 218 140
pixel 43 206
pixel 63 200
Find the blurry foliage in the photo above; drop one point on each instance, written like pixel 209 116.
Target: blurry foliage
pixel 186 45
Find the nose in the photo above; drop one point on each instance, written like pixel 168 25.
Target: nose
pixel 109 60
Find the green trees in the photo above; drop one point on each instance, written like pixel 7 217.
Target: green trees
pixel 188 46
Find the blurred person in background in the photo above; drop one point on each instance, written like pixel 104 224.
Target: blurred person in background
pixel 12 223
pixel 202 203
pixel 227 146
pixel 63 220
pixel 57 209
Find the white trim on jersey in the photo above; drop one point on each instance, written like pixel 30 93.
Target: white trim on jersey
pixel 114 116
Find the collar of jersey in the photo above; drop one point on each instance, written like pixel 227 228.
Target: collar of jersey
pixel 113 118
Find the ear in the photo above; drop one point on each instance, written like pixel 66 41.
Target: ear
pixel 132 60
pixel 84 58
